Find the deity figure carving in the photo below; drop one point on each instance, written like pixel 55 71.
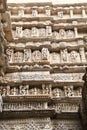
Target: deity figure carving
pixel 19 32
pixel 64 56
pixel 24 89
pixel 36 56
pixel 45 54
pixel 18 57
pixel 34 11
pixel 27 55
pixel 26 33
pixel 42 32
pixel 48 31
pixel 74 57
pixel 62 33
pixel 10 54
pixel 56 92
pixel 60 14
pixel 55 35
pixel 70 34
pixel 1 103
pixel 21 13
pixel 8 90
pixel 35 32
pixel 47 10
pixel 68 90
pixel 55 57
pixel 14 91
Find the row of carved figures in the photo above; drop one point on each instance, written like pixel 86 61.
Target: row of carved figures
pixel 59 107
pixel 42 32
pixel 44 55
pixel 24 90
pixel 47 12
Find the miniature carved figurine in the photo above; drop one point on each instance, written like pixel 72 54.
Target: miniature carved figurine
pixel 1 102
pixel 45 54
pixel 64 55
pixel 68 91
pixel 70 34
pixel 35 32
pixel 19 32
pixel 36 56
pixel 27 55
pixel 48 31
pixel 34 11
pixel 48 12
pixel 10 54
pixel 21 13
pixel 60 14
pixel 74 57
pixel 62 33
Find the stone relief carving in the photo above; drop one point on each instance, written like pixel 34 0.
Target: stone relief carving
pixel 10 54
pixel 18 57
pixel 27 55
pixel 42 32
pixel 62 33
pixel 26 33
pixel 48 31
pixel 68 90
pixel 55 57
pixel 70 34
pixel 35 32
pixel 47 11
pixel 34 11
pixel 64 56
pixel 45 54
pixel 21 13
pixel 82 54
pixel 19 32
pixel 36 56
pixel 60 14
pixel 74 57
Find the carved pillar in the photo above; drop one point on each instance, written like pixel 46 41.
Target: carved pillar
pixel 83 12
pixel 76 32
pixel 71 12
pixel 43 88
pixel 50 89
pixel 82 54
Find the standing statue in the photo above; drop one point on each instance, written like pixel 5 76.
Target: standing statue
pixel 1 103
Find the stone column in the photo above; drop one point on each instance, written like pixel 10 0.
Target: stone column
pixel 76 32
pixel 82 54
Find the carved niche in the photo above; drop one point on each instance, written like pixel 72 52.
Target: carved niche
pixel 55 57
pixel 27 55
pixel 74 57
pixel 55 35
pixel 34 11
pixel 36 56
pixel 45 54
